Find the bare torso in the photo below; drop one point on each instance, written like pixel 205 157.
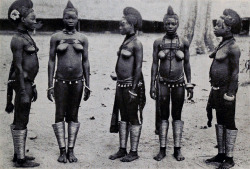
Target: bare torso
pixel 220 69
pixel 30 63
pixel 126 61
pixel 171 66
pixel 69 49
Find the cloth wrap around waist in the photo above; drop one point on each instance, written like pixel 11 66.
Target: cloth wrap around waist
pixel 114 125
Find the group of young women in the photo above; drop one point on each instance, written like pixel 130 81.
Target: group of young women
pixel 69 49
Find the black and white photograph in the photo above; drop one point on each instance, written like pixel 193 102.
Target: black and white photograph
pixel 125 84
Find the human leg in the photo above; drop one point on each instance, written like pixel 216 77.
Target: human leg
pixel 177 98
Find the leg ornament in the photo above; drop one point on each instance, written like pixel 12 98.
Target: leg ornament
pixel 220 135
pixel 163 140
pixel 73 129
pixel 123 136
pixel 12 126
pixel 19 138
pixel 135 133
pixel 177 132
pixel 59 129
pixel 230 141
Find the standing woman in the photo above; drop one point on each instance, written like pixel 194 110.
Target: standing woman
pixel 71 49
pixel 172 53
pixel 224 73
pixel 22 75
pixel 129 81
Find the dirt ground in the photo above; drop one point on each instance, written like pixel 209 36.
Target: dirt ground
pixel 95 143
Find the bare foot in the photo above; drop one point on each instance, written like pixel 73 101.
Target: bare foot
pixel 71 156
pixel 161 154
pixel 130 157
pixel 177 154
pixel 228 163
pixel 25 164
pixel 121 153
pixel 26 158
pixel 219 158
pixel 62 158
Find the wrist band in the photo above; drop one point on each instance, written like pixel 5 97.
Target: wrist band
pixel 134 94
pixel 229 98
pixel 87 87
pixel 50 88
pixel 10 81
pixel 189 85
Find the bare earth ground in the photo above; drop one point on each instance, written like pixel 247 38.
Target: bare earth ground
pixel 95 143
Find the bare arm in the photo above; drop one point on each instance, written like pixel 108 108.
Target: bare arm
pixel 51 63
pixel 187 68
pixel 17 50
pixel 155 64
pixel 138 63
pixel 85 62
pixel 234 57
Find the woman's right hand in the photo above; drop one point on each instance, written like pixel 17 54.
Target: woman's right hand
pixel 153 92
pixel 51 95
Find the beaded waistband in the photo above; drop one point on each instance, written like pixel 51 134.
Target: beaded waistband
pixel 173 85
pixel 69 81
pixel 124 84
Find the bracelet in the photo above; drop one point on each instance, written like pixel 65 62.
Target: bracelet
pixel 87 87
pixel 33 85
pixel 50 88
pixel 134 94
pixel 229 98
pixel 189 85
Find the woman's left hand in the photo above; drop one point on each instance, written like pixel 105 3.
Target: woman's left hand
pixel 190 93
pixel 34 94
pixel 86 94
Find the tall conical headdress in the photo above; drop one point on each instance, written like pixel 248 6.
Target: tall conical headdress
pixel 70 7
pixel 170 14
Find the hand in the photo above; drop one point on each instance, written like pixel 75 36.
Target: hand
pixel 228 104
pixel 9 107
pixel 34 94
pixel 190 93
pixel 113 77
pixel 153 92
pixel 229 100
pixel 51 95
pixel 132 96
pixel 86 94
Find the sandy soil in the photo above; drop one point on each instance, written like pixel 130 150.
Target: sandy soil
pixel 95 143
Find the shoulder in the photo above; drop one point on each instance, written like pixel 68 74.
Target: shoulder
pixel 234 46
pixel 137 43
pixel 234 49
pixel 157 42
pixel 16 41
pixel 83 38
pixel 54 37
pixel 184 41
